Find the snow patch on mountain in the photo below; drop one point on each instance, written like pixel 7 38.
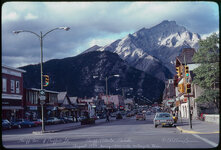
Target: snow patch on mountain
pixel 154 50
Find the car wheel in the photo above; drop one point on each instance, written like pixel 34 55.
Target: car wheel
pixel 155 126
pixel 19 126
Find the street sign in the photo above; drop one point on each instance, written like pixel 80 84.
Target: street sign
pixel 42 98
pixel 42 92
pixel 42 102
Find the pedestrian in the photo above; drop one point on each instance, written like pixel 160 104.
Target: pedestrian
pixel 107 116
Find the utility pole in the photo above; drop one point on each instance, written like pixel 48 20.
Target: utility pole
pixel 187 79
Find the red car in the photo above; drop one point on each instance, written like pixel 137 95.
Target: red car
pixel 38 122
pixel 140 116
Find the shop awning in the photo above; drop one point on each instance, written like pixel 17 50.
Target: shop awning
pixel 52 108
pixel 12 107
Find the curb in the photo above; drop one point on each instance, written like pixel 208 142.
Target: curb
pixel 66 129
pixel 195 132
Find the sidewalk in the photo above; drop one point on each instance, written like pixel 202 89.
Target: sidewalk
pixel 198 126
pixel 70 126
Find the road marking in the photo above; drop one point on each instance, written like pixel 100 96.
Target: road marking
pixel 195 132
pixel 205 140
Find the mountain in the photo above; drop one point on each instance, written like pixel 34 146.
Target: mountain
pixel 154 50
pixel 75 74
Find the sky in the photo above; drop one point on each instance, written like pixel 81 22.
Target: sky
pixel 91 23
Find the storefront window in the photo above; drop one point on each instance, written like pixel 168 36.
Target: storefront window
pixel 17 87
pixel 35 97
pixel 12 86
pixel 4 85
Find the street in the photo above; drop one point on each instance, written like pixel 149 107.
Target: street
pixel 125 133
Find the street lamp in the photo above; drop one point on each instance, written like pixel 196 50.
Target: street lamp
pixel 41 45
pixel 106 78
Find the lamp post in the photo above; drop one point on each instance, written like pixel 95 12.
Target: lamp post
pixel 41 46
pixel 106 79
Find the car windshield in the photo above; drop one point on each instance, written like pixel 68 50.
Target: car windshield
pixel 163 115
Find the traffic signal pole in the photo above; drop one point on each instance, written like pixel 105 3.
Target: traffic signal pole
pixel 187 91
pixel 190 115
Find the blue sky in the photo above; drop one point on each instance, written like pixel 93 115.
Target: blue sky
pixel 91 23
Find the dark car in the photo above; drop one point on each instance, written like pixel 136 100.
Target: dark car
pixel 27 123
pixel 53 120
pixel 101 116
pixel 119 116
pixel 114 114
pixel 65 120
pixel 70 118
pixel 16 124
pixel 81 118
pixel 6 124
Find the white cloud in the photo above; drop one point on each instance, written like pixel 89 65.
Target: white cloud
pixel 100 41
pixel 12 16
pixel 95 23
pixel 30 16
pixel 204 36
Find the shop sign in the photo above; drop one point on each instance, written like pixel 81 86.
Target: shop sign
pixel 33 107
pixel 177 103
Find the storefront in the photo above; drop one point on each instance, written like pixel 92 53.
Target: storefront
pixel 12 93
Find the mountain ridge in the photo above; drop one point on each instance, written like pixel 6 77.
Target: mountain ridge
pixel 75 73
pixel 156 47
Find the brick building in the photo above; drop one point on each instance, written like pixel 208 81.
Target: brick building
pixel 12 93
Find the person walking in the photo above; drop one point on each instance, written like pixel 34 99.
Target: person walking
pixel 107 116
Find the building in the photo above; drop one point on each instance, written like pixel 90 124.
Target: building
pixel 169 95
pixel 129 104
pixel 181 79
pixel 113 101
pixel 32 103
pixel 12 93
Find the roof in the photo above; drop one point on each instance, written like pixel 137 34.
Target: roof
pixel 188 54
pixel 73 100
pixel 61 96
pixel 12 68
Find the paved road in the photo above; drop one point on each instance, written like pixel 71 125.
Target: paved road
pixel 126 133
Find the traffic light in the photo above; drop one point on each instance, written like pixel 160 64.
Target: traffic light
pixel 178 71
pixel 46 80
pixel 188 88
pixel 187 71
pixel 181 88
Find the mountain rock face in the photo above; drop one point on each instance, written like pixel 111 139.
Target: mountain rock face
pixel 154 50
pixel 75 75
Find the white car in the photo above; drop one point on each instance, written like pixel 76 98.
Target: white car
pixel 163 119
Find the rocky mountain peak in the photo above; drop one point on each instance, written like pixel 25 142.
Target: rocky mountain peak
pixel 152 47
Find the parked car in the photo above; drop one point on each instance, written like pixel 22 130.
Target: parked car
pixel 140 116
pixel 163 119
pixel 6 124
pixel 37 122
pixel 16 124
pixel 53 120
pixel 101 116
pixel 27 123
pixel 119 116
pixel 148 112
pixel 94 117
pixel 81 118
pixel 64 120
pixel 113 114
pixel 70 118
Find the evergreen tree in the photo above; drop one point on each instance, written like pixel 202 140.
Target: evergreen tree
pixel 207 74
